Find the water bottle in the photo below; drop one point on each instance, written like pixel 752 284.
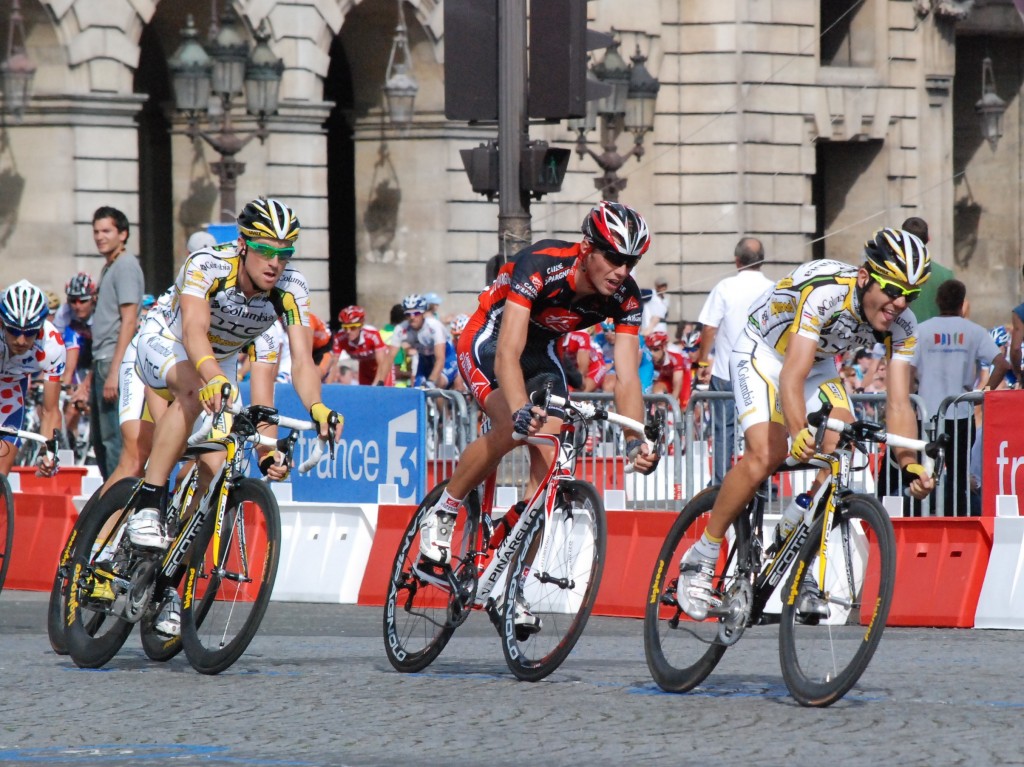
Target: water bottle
pixel 792 516
pixel 505 524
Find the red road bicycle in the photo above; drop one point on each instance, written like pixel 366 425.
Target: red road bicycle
pixel 551 560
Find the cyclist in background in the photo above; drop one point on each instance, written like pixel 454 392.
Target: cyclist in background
pixel 784 365
pixel 507 351
pixel 424 335
pixel 30 346
pixel 671 369
pixel 576 349
pixel 221 301
pixel 81 295
pixel 364 344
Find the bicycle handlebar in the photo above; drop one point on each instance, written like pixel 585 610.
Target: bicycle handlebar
pixel 287 422
pixel 866 431
pixel 49 444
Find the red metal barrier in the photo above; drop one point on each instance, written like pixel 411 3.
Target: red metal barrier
pixel 42 523
pixel 940 568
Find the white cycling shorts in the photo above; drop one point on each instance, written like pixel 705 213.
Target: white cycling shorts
pixel 756 369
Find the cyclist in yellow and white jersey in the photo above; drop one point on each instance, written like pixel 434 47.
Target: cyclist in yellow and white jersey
pixel 784 365
pixel 221 301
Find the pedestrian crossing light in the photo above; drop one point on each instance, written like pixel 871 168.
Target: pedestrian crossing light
pixel 542 168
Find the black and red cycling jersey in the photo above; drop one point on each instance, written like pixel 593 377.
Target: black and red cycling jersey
pixel 543 279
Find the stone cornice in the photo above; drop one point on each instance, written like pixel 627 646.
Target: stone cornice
pixel 82 109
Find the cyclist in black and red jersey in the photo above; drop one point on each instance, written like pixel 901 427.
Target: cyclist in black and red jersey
pixel 551 288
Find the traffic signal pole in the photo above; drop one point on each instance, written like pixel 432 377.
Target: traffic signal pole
pixel 513 130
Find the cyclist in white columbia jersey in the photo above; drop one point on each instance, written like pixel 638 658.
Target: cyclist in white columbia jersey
pixel 784 365
pixel 221 301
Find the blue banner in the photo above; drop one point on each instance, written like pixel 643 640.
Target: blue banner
pixel 382 443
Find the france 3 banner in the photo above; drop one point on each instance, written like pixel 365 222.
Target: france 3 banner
pixel 1002 450
pixel 382 443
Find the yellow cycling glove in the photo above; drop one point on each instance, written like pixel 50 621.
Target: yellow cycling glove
pixel 320 413
pixel 804 439
pixel 213 387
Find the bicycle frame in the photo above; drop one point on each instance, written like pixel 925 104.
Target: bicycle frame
pixel 840 465
pixel 491 566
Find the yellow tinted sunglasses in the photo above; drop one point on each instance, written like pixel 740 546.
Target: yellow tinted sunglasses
pixel 894 290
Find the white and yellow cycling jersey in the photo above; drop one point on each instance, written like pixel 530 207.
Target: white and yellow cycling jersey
pixel 234 319
pixel 819 300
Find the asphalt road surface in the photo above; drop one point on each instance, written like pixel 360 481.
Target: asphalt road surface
pixel 315 688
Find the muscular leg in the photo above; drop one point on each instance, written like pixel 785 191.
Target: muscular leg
pixel 174 427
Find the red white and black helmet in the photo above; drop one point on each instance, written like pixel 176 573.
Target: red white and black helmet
pixel 656 340
pixel 352 315
pixel 80 286
pixel 617 228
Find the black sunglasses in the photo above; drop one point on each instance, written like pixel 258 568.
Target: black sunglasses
pixel 617 260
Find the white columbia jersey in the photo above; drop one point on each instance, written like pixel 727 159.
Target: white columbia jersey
pixel 235 320
pixel 422 340
pixel 819 301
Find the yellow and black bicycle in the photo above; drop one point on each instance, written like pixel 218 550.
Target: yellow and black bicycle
pixel 223 559
pixel 838 568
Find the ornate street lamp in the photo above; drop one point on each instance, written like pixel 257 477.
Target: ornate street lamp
pixel 225 70
pixel 400 86
pixel 990 107
pixel 17 69
pixel 628 106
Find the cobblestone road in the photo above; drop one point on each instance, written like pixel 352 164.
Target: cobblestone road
pixel 316 689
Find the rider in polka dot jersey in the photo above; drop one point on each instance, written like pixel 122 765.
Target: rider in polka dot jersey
pixel 29 345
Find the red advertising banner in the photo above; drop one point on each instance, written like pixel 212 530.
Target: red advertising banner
pixel 1002 450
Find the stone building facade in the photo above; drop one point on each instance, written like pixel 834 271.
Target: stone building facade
pixel 807 123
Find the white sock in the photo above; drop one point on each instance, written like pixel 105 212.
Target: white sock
pixel 448 504
pixel 708 548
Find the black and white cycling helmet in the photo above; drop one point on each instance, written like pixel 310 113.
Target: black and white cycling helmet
pixel 270 219
pixel 617 228
pixel 80 286
pixel 414 302
pixel 894 254
pixel 24 306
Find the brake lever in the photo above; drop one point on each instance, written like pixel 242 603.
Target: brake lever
pixel 332 422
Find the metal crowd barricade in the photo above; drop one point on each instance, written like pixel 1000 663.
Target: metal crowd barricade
pixel 450 427
pixel 955 495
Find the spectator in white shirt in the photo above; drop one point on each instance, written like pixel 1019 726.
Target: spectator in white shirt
pixel 724 317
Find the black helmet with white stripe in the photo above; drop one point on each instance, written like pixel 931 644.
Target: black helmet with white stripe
pixel 894 254
pixel 270 219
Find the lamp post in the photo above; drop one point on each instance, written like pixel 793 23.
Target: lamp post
pixel 225 69
pixel 17 69
pixel 990 107
pixel 629 106
pixel 400 86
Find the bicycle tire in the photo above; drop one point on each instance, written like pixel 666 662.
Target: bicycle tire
pixel 6 528
pixel 58 591
pixel 93 634
pixel 420 615
pixel 222 608
pixel 680 651
pixel 821 662
pixel 558 582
